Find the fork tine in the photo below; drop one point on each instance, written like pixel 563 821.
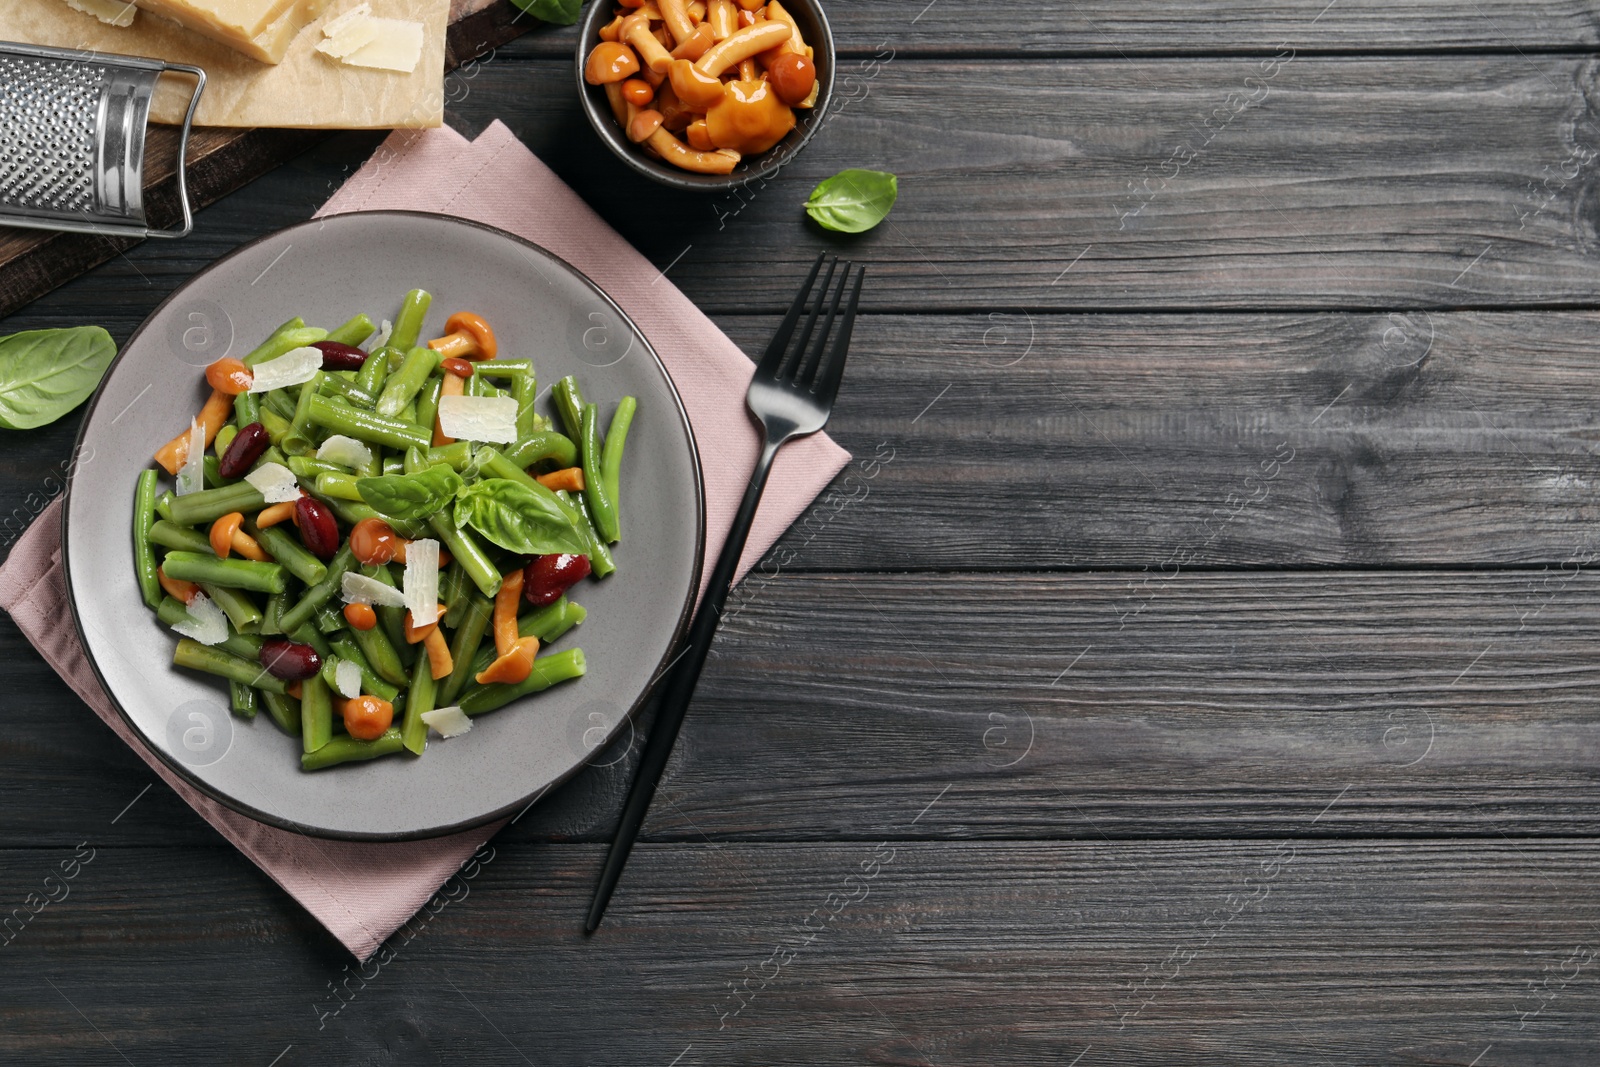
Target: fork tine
pixel 831 372
pixel 812 360
pixel 811 322
pixel 772 358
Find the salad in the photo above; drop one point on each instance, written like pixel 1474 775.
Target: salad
pixel 375 542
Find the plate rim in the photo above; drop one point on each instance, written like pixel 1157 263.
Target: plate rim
pixel 685 612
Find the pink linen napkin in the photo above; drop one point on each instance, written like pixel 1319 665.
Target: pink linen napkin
pixel 363 892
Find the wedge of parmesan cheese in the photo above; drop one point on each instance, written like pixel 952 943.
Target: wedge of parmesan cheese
pixel 260 29
pixel 447 722
pixel 206 622
pixel 111 12
pixel 358 38
pixel 359 589
pixel 491 419
pixel 293 368
pixel 275 482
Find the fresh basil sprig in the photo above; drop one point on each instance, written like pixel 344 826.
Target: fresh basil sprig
pixel 518 518
pixel 411 496
pixel 557 12
pixel 46 373
pixel 853 201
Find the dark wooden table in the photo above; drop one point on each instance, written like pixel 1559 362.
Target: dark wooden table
pixel 1199 663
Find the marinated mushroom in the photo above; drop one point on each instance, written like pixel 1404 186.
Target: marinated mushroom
pixel 611 61
pixel 749 118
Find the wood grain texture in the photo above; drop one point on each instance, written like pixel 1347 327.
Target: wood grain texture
pixel 1338 953
pixel 1084 706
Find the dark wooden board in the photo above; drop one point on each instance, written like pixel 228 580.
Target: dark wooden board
pixel 33 262
pixel 1083 706
pixel 1270 952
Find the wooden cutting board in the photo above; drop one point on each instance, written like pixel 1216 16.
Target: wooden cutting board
pixel 33 262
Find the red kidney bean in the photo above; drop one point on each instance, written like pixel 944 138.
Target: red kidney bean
pixel 547 577
pixel 336 356
pixel 246 448
pixel 289 660
pixel 318 531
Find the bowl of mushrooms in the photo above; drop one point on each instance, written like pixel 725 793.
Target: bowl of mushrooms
pixel 705 94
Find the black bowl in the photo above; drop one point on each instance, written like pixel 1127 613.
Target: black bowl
pixel 813 24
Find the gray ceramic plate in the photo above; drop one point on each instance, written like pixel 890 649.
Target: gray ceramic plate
pixel 325 271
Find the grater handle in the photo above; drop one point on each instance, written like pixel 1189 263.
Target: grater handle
pixel 183 150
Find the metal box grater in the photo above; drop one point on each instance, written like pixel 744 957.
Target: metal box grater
pixel 72 139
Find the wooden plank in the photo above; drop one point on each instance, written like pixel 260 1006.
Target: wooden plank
pixel 867 28
pixel 1345 953
pixel 1056 706
pixel 1348 183
pixel 33 262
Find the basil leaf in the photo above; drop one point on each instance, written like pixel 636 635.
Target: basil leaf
pixel 410 496
pixel 853 201
pixel 559 12
pixel 519 518
pixel 46 373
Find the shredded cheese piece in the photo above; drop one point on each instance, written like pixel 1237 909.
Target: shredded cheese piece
pixel 447 722
pixel 479 418
pixel 359 589
pixel 206 622
pixel 293 368
pixel 422 581
pixel 347 679
pixel 192 474
pixel 345 451
pixel 275 482
pixel 379 339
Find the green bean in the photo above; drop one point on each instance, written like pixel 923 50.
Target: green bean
pixel 242 699
pixel 184 538
pixel 164 504
pixel 276 425
pixel 369 379
pixel 568 399
pixel 240 609
pixel 232 573
pixel 333 385
pixel 307 468
pixel 316 713
pixel 464 648
pixel 428 403
pixel 348 749
pixel 307 634
pixel 285 339
pixel 329 672
pixel 144 520
pixel 339 486
pixel 344 644
pixel 611 454
pixel 285 711
pixel 393 465
pixel 540 445
pixel 350 513
pixel 328 619
pixel 197 657
pixel 366 425
pixel 415 460
pixel 548 624
pixel 457 456
pixel 208 505
pixel 273 455
pixel 402 387
pixel 408 324
pixel 298 441
pixel 419 700
pixel 594 485
pixel 269 614
pixel 453 590
pixel 504 368
pixel 600 558
pixel 561 667
pixel 381 653
pixel 466 551
pixel 287 550
pixel 224 438
pixel 353 332
pixel 392 618
pixel 318 594
pixel 246 409
pixel 245 646
pixel 212 468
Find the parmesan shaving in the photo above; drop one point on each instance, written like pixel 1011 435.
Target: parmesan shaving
pixel 345 451
pixel 192 474
pixel 275 482
pixel 422 581
pixel 359 589
pixel 347 679
pixel 206 622
pixel 117 13
pixel 447 722
pixel 360 39
pixel 492 419
pixel 294 368
pixel 379 339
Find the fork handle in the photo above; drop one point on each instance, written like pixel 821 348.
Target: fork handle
pixel 685 674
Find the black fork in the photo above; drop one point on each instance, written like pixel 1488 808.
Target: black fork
pixel 791 395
